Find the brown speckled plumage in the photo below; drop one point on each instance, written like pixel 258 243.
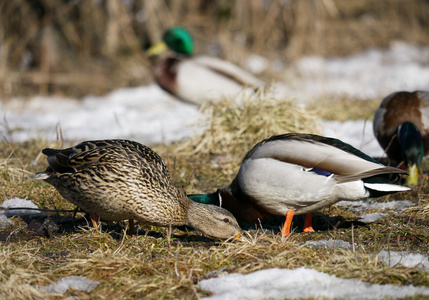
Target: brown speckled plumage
pixel 121 179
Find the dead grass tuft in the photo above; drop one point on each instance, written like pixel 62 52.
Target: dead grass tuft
pixel 235 128
pixel 77 48
pixel 18 276
pixel 344 108
pixel 12 169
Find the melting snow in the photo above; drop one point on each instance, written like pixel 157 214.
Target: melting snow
pixel 75 282
pixel 301 283
pixel 21 203
pixel 373 73
pixel 330 244
pixel 406 259
pixel 359 206
pixel 145 114
pixel 371 218
pixel 356 133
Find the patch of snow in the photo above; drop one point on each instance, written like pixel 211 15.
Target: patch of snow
pixel 374 73
pixel 359 206
pixel 358 133
pixel 21 203
pixel 277 65
pixel 406 259
pixel 4 221
pixel 371 218
pixel 256 63
pixel 146 114
pixel 329 244
pixel 75 282
pixel 301 283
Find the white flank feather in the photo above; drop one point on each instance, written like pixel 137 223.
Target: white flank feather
pixel 385 187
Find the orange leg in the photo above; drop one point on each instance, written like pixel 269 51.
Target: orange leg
pixel 132 227
pixel 95 219
pixel 286 227
pixel 307 223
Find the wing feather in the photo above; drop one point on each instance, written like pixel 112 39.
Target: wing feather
pixel 310 151
pixel 230 70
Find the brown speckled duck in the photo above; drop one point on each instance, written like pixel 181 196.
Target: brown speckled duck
pixel 401 126
pixel 197 79
pixel 120 179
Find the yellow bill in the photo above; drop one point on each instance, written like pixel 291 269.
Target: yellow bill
pixel 156 49
pixel 413 175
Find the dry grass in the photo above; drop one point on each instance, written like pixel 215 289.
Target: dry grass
pixel 11 169
pixel 212 158
pixel 130 267
pixel 233 127
pixel 140 266
pixel 78 48
pixel 344 108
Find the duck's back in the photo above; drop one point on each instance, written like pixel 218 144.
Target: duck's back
pixel 203 79
pixel 117 179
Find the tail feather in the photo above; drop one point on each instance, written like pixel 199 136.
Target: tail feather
pixel 58 159
pixel 382 189
pixel 382 174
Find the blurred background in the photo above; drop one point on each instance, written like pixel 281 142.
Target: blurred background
pixel 74 48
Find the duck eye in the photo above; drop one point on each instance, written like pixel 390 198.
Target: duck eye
pixel 226 220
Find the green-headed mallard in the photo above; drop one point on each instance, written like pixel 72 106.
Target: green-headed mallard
pixel 120 179
pixel 401 126
pixel 197 79
pixel 298 174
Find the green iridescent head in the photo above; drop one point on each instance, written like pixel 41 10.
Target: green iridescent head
pixel 179 40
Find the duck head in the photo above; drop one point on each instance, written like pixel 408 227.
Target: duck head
pixel 177 39
pixel 213 220
pixel 412 150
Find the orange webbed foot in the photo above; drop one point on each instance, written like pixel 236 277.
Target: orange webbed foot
pixel 286 227
pixel 307 223
pixel 95 219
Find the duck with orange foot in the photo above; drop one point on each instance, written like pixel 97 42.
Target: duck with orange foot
pixel 401 126
pixel 294 174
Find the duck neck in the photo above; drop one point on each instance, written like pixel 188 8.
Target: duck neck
pixel 411 144
pixel 197 214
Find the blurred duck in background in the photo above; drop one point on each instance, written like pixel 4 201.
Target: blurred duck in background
pixel 293 174
pixel 198 79
pixel 401 126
